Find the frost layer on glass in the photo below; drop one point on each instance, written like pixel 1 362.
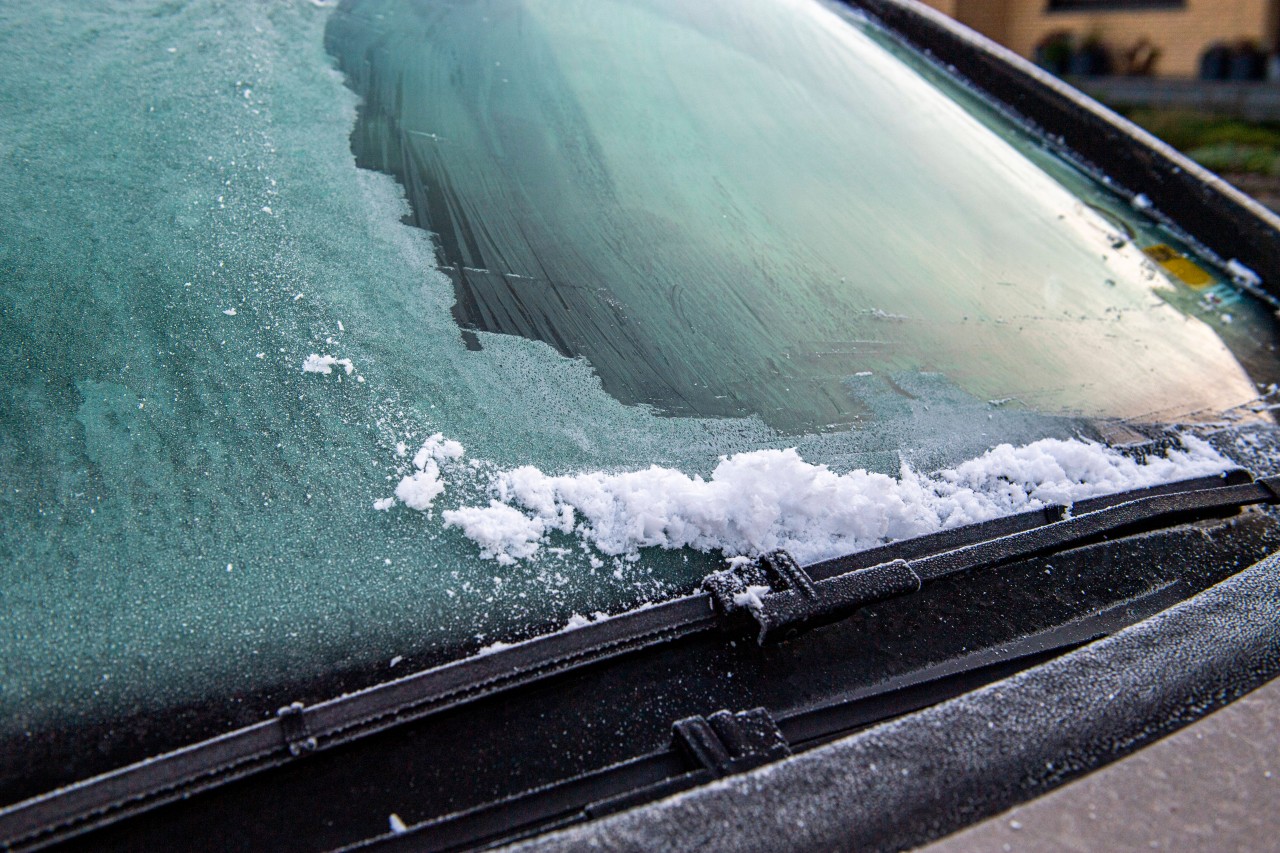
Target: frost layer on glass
pixel 741 208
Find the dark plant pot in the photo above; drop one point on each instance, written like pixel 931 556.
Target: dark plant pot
pixel 1215 63
pixel 1090 61
pixel 1056 59
pixel 1247 65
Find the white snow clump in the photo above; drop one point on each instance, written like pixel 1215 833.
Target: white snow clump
pixel 758 501
pixel 503 533
pixel 420 489
pixel 316 363
pixel 439 448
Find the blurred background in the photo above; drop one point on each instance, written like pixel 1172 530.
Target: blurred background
pixel 1204 75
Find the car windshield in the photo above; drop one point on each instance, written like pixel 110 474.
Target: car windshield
pixel 347 340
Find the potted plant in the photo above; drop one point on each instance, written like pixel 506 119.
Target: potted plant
pixel 1091 59
pixel 1053 53
pixel 1215 62
pixel 1248 62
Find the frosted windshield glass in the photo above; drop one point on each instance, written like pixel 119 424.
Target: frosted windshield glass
pixel 271 412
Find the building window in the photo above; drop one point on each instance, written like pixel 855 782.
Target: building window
pixel 1112 5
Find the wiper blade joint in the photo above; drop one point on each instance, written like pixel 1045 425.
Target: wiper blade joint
pixel 784 598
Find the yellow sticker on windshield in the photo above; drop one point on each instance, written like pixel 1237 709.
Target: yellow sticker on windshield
pixel 1179 266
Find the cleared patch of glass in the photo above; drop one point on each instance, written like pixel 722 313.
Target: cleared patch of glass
pixel 755 209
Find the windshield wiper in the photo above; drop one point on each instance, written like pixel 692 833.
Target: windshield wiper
pixel 772 596
pixel 703 749
pixel 784 599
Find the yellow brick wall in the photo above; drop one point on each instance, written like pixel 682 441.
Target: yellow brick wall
pixel 1181 34
pixel 988 17
pixel 947 7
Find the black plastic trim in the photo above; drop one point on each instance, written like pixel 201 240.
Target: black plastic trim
pixel 896 786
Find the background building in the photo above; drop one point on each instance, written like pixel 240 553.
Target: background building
pixel 1167 38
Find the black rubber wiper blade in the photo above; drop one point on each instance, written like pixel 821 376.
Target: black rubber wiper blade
pixel 794 599
pixel 784 599
pixel 659 774
pixel 958 537
pixel 298 730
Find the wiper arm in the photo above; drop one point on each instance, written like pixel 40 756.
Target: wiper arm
pixel 784 599
pixel 774 596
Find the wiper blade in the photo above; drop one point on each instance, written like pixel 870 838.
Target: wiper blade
pixel 792 599
pixel 958 537
pixel 784 599
pixel 688 763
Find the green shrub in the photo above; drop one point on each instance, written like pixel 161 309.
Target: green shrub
pixel 1220 144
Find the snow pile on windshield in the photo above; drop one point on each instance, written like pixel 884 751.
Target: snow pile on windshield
pixel 757 501
pixel 420 489
pixel 502 532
